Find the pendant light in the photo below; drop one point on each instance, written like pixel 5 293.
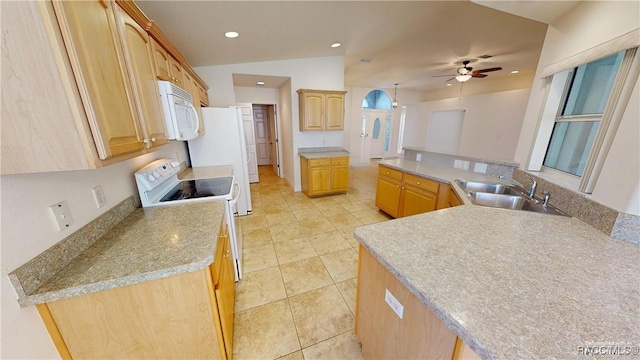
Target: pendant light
pixel 394 104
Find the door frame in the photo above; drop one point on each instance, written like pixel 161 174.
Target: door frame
pixel 272 112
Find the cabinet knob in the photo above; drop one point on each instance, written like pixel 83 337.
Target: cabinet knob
pixel 154 140
pixel 403 188
pixel 418 182
pixel 399 186
pixel 387 173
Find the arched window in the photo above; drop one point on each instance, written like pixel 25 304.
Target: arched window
pixel 377 99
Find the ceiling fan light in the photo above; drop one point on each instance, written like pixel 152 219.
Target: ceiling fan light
pixel 463 78
pixel 394 104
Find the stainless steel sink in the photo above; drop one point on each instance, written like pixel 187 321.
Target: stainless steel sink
pixel 513 202
pixel 486 187
pixel 504 196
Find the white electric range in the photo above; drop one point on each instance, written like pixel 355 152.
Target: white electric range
pixel 158 185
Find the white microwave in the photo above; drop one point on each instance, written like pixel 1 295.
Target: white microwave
pixel 180 115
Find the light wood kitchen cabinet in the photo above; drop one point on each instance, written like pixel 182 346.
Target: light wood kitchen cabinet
pixel 321 110
pixel 402 194
pixel 138 50
pixel 447 197
pixel 324 176
pixel 85 64
pixel 166 66
pixel 417 334
pixel 94 48
pixel 69 56
pixel 188 315
pixel 161 61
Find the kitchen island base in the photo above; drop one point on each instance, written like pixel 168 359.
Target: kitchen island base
pixel 419 334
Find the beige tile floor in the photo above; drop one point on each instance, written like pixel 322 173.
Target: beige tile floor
pixel 297 297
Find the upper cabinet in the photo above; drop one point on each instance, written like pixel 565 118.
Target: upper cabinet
pixel 138 51
pixel 321 110
pixel 79 85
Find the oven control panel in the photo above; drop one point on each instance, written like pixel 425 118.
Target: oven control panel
pixel 156 173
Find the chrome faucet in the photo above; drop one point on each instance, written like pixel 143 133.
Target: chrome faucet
pixel 531 191
pixel 532 187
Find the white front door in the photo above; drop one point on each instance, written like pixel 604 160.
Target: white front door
pixel 261 122
pixel 373 133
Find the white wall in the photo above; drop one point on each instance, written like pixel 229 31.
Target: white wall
pixel 590 24
pixel 311 73
pixel 491 123
pixel 286 130
pixel 256 95
pixel 28 230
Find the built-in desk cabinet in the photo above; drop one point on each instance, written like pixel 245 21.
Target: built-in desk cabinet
pixel 186 316
pixel 401 194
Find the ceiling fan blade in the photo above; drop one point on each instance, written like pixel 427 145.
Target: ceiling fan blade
pixel 453 78
pixel 442 75
pixel 476 75
pixel 487 70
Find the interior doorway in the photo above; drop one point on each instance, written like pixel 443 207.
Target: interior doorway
pixel 266 133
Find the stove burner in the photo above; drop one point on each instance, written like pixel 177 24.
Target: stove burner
pixel 191 189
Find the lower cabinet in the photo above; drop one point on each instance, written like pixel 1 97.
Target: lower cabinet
pixel 324 176
pixel 415 334
pixel 402 194
pixel 188 315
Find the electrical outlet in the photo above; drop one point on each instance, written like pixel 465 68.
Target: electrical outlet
pixel 62 215
pixel 418 157
pixel 393 303
pixel 98 196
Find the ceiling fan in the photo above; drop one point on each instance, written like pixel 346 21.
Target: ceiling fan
pixel 465 73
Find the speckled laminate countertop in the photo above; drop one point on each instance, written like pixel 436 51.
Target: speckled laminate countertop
pixel 513 284
pixel 322 152
pixel 151 243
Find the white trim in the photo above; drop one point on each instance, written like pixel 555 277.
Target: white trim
pixel 622 42
pixel 618 99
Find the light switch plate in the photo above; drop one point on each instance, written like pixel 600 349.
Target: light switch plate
pixel 393 303
pixel 62 215
pixel 98 196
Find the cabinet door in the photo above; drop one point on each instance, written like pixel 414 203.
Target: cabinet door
pixel 334 118
pixel 161 61
pixel 176 72
pixel 388 195
pixel 416 201
pixel 138 50
pixel 319 180
pixel 225 296
pixel 312 114
pixel 339 178
pixel 91 39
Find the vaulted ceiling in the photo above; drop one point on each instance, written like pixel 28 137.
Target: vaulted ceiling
pixel 412 43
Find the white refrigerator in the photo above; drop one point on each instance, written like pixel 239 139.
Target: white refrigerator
pixel 224 143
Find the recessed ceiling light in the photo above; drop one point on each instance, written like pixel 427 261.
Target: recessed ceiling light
pixel 336 44
pixel 260 83
pixel 449 84
pixel 515 71
pixel 231 34
pixel 366 60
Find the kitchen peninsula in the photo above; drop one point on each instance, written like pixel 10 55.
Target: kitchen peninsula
pixel 510 284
